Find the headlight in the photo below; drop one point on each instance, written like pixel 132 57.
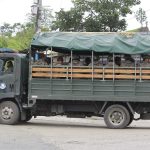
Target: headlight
pixel 2 86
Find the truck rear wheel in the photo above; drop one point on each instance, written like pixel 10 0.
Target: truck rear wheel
pixel 131 119
pixel 117 117
pixel 9 113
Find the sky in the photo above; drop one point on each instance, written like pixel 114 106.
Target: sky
pixel 14 11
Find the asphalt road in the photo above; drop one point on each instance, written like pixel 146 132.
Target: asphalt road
pixel 60 133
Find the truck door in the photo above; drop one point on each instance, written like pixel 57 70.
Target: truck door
pixel 1 65
pixel 7 77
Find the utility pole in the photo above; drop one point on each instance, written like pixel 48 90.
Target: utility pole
pixel 38 17
pixel 37 11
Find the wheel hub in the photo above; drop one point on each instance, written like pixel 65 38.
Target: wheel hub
pixel 116 117
pixel 7 113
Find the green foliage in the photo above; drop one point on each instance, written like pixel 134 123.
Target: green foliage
pixel 22 39
pixel 17 36
pixel 68 20
pixel 95 15
pixel 3 42
pixel 6 30
pixel 141 16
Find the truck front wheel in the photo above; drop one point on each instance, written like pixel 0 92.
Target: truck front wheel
pixel 9 113
pixel 117 117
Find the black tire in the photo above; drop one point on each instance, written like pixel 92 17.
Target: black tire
pixel 131 119
pixel 28 116
pixel 9 113
pixel 117 117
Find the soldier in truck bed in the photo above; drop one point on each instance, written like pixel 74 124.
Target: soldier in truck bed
pixel 128 62
pixel 146 61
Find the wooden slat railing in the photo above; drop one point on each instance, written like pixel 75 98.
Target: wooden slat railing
pixel 99 73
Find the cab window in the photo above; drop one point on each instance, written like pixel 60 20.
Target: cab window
pixel 8 66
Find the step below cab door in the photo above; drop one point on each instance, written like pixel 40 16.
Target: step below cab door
pixel 7 77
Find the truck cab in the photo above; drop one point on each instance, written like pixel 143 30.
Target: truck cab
pixel 13 85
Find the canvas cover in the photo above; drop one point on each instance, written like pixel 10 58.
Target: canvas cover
pixel 127 43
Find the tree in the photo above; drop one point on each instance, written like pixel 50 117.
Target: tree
pixel 95 15
pixel 46 19
pixel 3 42
pixel 141 16
pixel 20 36
pixel 17 27
pixel 6 30
pixel 68 20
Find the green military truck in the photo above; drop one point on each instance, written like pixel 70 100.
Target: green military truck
pixel 99 74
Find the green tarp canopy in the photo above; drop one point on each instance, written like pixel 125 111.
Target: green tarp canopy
pixel 127 43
